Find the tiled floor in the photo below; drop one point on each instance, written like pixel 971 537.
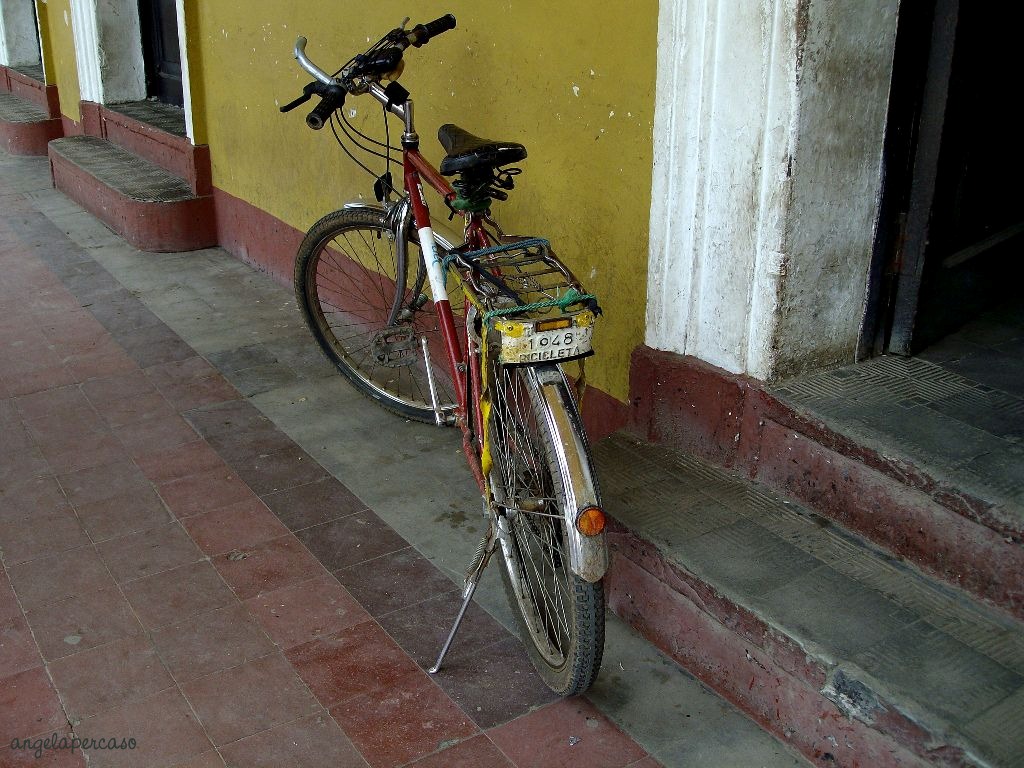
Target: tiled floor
pixel 213 547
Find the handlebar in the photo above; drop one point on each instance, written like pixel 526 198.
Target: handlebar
pixel 383 57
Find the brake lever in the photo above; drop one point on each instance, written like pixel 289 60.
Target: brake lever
pixel 307 93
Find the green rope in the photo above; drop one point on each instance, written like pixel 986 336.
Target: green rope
pixel 570 297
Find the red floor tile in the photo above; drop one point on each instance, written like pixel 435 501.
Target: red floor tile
pixel 206 760
pixel 180 372
pixel 410 719
pixel 312 742
pixel 474 752
pixel 196 394
pixel 37 379
pixel 29 706
pixel 249 698
pixel 137 510
pixel 495 684
pixel 236 526
pixel 99 364
pixel 155 550
pixel 350 540
pixel 313 503
pixel 79 623
pixel 22 466
pixel 570 732
pixel 52 403
pixel 165 730
pixel 112 389
pixel 58 577
pixel 395 581
pixel 165 464
pixel 109 676
pixel 135 408
pixel 55 428
pixel 17 648
pixel 267 566
pixel 83 452
pixel 211 642
pixel 356 661
pixel 204 492
pixel 178 594
pixel 41 535
pixel 102 482
pixel 9 607
pixel 52 752
pixel 41 495
pixel 156 434
pixel 306 610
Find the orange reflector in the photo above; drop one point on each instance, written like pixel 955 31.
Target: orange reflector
pixel 590 521
pixel 551 325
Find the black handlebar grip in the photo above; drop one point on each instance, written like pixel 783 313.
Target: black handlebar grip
pixel 433 28
pixel 330 100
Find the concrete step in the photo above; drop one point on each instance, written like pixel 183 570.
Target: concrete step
pixel 25 127
pixel 844 652
pixel 153 209
pixel 924 459
pixel 28 83
pixel 155 132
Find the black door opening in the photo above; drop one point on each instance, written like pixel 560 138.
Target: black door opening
pixel 161 53
pixel 951 229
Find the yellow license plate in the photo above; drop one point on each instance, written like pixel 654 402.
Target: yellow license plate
pixel 522 342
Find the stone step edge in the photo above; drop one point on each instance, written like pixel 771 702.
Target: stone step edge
pixel 29 137
pixel 160 227
pixel 175 154
pixel 832 713
pixel 732 421
pixel 28 88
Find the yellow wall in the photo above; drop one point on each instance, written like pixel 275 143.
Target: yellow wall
pixel 574 81
pixel 59 51
pixel 45 49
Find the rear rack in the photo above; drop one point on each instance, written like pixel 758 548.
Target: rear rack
pixel 521 278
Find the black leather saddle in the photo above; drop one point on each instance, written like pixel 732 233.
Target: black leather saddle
pixel 466 152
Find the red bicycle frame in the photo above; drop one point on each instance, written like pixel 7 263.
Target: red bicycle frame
pixel 466 376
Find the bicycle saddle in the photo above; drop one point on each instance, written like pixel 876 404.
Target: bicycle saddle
pixel 467 152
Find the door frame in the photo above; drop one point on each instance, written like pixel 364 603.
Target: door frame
pixel 122 77
pixel 917 111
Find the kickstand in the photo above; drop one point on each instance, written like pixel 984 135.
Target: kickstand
pixel 473 574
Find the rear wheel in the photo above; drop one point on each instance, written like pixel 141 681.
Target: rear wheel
pixel 561 615
pixel 369 309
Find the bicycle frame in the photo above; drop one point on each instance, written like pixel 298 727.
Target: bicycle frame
pixel 466 376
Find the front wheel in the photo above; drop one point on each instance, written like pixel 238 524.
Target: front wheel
pixel 561 615
pixel 367 303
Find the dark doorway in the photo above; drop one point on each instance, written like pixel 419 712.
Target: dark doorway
pixel 160 50
pixel 951 234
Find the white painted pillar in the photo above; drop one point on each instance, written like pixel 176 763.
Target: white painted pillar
pixel 179 9
pixel 768 133
pixel 108 49
pixel 19 35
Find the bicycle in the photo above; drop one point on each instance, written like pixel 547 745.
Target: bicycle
pixel 382 314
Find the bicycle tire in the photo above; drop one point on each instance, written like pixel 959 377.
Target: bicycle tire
pixel 351 290
pixel 563 627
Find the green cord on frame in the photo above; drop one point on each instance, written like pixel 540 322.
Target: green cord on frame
pixel 570 297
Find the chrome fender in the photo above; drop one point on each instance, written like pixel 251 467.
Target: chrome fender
pixel 588 555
